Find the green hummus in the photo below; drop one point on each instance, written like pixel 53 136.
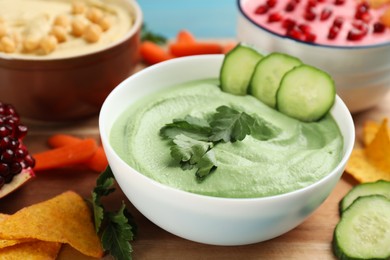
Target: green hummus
pixel 298 156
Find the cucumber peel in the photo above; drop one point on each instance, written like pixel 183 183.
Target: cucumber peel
pixel 237 69
pixel 306 93
pixel 380 187
pixel 267 75
pixel 364 230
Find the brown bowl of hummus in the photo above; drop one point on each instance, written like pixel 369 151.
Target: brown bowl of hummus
pixel 59 59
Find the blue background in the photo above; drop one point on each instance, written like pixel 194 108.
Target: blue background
pixel 204 18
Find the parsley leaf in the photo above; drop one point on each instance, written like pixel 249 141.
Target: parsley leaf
pixel 117 229
pixel 188 150
pixel 206 165
pixel 116 235
pixel 193 127
pixel 230 125
pixel 148 35
pixel 264 130
pixel 193 138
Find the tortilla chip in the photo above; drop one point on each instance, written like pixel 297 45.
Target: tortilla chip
pixel 37 250
pixel 377 3
pixel 378 151
pixel 3 216
pixel 7 242
pixel 67 252
pixel 370 128
pixel 65 218
pixel 363 170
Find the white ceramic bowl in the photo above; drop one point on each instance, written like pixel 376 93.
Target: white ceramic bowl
pixel 361 73
pixel 205 219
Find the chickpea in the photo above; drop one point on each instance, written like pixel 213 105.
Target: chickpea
pixel 92 33
pixel 78 26
pixel 48 44
pixel 8 44
pixel 62 20
pixel 94 14
pixel 3 30
pixel 105 23
pixel 59 32
pixel 31 43
pixel 78 7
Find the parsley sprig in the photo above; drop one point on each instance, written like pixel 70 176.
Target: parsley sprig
pixel 116 229
pixel 148 35
pixel 193 139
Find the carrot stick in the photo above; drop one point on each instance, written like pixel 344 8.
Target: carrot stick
pixel 153 53
pixel 185 36
pixel 228 47
pixel 98 162
pixel 186 49
pixel 59 140
pixel 67 155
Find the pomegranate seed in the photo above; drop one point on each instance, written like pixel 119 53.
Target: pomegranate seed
pixel 310 37
pixel 274 17
pixel 29 160
pixel 325 14
pixel 9 110
pixel 5 130
pixel 4 169
pixel 262 9
pixel 356 34
pixel 311 3
pixel 338 22
pixel 288 24
pixel 290 6
pixel 379 27
pixel 339 2
pixel 271 3
pixel 310 15
pixel 304 28
pixel 7 156
pixel 360 25
pixel 21 152
pixel 21 131
pixel 15 168
pixel 362 7
pixel 13 144
pixel 296 34
pixel 366 17
pixel 5 142
pixel 333 32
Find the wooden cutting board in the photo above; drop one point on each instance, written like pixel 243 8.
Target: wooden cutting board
pixel 311 240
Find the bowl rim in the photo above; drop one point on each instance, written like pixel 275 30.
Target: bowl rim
pixel 133 30
pixel 313 44
pixel 105 131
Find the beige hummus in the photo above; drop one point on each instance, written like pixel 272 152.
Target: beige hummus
pixel 33 20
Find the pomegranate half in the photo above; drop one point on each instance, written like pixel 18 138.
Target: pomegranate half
pixel 16 164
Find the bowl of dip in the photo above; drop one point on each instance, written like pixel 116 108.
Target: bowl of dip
pixel 349 39
pixel 259 190
pixel 60 59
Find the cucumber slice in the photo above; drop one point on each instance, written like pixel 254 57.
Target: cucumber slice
pixel 237 69
pixel 305 93
pixel 364 230
pixel 380 187
pixel 267 76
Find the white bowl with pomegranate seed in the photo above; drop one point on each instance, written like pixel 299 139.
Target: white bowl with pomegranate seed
pixel 349 39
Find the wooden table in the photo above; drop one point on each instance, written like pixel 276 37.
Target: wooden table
pixel 310 240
